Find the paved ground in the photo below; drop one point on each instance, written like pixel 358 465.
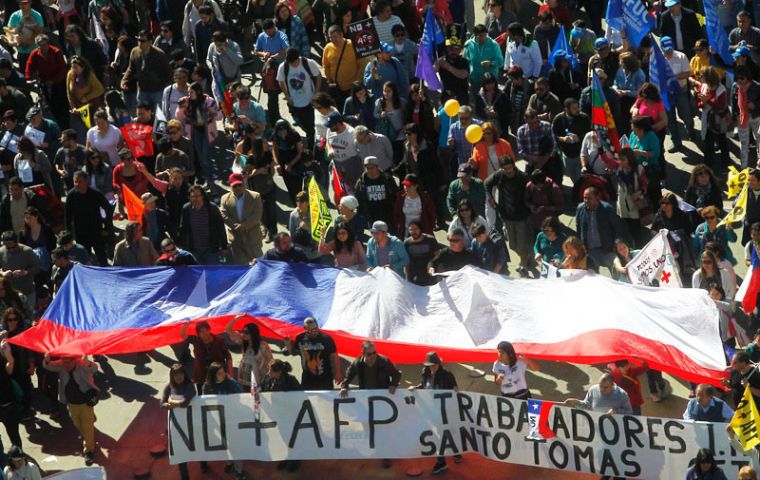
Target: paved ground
pixel 130 421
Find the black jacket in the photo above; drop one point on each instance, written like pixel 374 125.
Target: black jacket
pixel 387 373
pixel 83 216
pixel 691 30
pixel 217 234
pixel 91 51
pixel 165 228
pixel 286 383
pixel 511 204
pixel 443 379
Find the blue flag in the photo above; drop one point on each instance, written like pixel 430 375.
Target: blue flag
pixel 716 34
pixel 432 36
pixel 631 16
pixel 562 45
pixel 662 76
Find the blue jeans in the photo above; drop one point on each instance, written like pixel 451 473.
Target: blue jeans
pixel 153 98
pixel 200 143
pixel 683 105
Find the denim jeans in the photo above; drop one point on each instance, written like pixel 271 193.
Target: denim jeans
pixel 153 98
pixel 683 106
pixel 200 142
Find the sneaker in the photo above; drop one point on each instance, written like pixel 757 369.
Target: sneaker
pixel 440 468
pixel 675 149
pixel 88 458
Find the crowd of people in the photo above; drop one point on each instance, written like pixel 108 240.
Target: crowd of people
pixel 72 74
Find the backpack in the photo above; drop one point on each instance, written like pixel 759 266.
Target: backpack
pixel 313 77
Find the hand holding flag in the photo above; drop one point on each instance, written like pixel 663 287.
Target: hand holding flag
pixel 432 36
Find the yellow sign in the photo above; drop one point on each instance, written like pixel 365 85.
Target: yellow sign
pixel 736 180
pixel 739 211
pixel 745 422
pixel 85 113
pixel 320 213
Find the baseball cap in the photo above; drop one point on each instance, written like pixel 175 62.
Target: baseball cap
pixel 350 202
pixel 601 42
pixel 333 119
pixel 670 3
pixel 431 359
pixel 32 112
pixel 577 33
pixel 379 226
pixel 411 180
pixel 464 170
pixel 148 197
pixel 236 179
pixel 370 160
pixel 386 47
pixel 666 43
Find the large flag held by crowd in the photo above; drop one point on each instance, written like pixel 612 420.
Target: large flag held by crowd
pixel 463 317
pixel 603 122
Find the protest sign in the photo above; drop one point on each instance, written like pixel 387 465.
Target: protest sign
pixel 319 211
pixel 36 136
pixel 429 423
pixel 655 265
pixel 366 42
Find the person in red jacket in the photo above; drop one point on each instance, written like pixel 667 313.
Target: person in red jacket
pixel 627 377
pixel 47 65
pixel 413 204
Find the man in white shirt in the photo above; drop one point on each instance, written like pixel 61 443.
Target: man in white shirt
pixel 520 52
pixel 385 21
pixel 681 69
pixel 341 149
pixel 300 78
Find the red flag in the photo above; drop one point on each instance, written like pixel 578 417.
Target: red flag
pixel 538 417
pixel 138 138
pixel 133 204
pixel 339 187
pixel 750 287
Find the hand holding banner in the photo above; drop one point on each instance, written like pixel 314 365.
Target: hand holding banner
pixel 736 180
pixel 320 213
pixel 654 265
pixel 746 420
pixel 739 211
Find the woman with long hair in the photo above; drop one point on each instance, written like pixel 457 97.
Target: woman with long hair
pixel 629 78
pixel 419 110
pixel 125 44
pixel 623 255
pixel 292 26
pixel 177 394
pixel 646 146
pixel 713 98
pixel 279 379
pixel 105 138
pixel 389 117
pixel 25 359
pixel 648 103
pixel 464 218
pixel 99 172
pixel 10 298
pixel 256 353
pixel 38 236
pixel 359 108
pixel 258 168
pixel 709 275
pixel 576 257
pixel 549 241
pixel 703 189
pixel 219 383
pixel 347 250
pixel 82 86
pixel 199 113
pixel 32 165
pixel 709 231
pixel 287 150
pixel 20 467
pixel 492 105
pixel 631 184
pixel 509 372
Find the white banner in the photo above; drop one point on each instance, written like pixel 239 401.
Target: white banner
pixel 655 266
pixel 429 423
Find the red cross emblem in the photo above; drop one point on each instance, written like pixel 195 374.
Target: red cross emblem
pixel 665 277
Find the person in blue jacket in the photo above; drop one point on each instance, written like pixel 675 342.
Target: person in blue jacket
pixel 385 68
pixel 384 250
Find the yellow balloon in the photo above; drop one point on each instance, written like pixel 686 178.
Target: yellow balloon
pixel 473 133
pixel 451 108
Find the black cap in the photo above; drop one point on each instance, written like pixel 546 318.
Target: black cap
pixel 431 359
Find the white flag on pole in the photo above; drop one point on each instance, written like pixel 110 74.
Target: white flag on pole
pixel 655 266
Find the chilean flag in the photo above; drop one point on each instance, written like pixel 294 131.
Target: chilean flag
pixel 538 417
pixel 583 318
pixel 750 287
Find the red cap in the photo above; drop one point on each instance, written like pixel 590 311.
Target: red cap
pixel 408 183
pixel 236 179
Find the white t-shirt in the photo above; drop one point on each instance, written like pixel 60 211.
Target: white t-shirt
pixel 107 143
pixel 384 28
pixel 590 150
pixel 514 377
pixel 412 209
pixel 342 144
pixel 679 62
pixel 300 84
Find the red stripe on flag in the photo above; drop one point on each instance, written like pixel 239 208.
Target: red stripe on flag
pixel 750 297
pixel 543 420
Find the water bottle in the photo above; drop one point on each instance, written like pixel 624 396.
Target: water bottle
pixel 568 133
